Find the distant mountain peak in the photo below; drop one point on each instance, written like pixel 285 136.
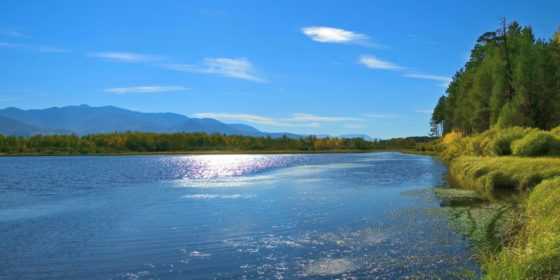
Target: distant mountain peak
pixel 85 119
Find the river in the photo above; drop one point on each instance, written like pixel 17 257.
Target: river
pixel 319 216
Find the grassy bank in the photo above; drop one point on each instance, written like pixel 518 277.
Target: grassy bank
pixel 497 175
pixel 523 163
pixel 535 252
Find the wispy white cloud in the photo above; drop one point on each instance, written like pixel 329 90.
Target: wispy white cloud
pixel 128 57
pixel 295 120
pixel 373 62
pixel 429 77
pixel 444 80
pixel 146 89
pixel 325 34
pixel 238 68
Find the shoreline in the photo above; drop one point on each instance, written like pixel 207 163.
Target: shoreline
pixel 192 153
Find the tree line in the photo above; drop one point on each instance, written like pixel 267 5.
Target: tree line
pixel 511 79
pixel 141 142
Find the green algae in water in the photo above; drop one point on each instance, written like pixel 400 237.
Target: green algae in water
pixel 489 225
pixel 457 197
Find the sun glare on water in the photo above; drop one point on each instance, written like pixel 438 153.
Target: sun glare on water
pixel 216 166
pixel 222 170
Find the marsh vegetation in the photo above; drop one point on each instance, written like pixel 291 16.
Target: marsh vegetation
pixel 517 232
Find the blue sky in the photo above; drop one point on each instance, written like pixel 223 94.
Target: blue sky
pixel 323 67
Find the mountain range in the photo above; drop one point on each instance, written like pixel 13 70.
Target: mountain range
pixel 84 119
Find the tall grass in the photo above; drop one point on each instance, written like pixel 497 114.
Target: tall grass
pixel 536 251
pixel 489 175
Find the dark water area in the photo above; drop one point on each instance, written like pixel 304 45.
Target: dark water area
pixel 331 216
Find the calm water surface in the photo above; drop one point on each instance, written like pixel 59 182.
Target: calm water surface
pixel 343 216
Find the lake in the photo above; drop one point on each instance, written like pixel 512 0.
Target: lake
pixel 320 216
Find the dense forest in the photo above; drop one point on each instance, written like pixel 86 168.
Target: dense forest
pixel 511 79
pixel 139 142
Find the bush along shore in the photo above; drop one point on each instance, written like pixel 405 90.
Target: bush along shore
pixel 517 170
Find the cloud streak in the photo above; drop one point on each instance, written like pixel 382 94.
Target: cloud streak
pixel 444 80
pixel 295 120
pixel 429 77
pixel 325 34
pixel 238 68
pixel 127 57
pixel 145 89
pixel 373 62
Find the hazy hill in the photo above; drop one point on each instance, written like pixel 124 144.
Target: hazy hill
pixel 85 119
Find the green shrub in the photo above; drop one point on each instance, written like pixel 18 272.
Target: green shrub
pixel 500 145
pixel 466 146
pixel 555 131
pixel 475 145
pixel 537 143
pixel 493 142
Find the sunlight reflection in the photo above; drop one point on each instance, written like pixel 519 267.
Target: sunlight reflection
pixel 220 166
pixel 213 166
pixel 224 170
